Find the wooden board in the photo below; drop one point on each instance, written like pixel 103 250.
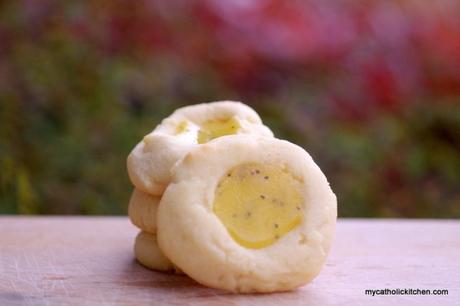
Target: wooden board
pixel 89 261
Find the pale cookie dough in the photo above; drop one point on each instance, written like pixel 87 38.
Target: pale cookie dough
pixel 150 162
pixel 149 254
pixel 142 211
pixel 247 214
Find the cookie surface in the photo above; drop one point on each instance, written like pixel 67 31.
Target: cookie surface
pixel 149 255
pixel 253 214
pixel 150 162
pixel 142 211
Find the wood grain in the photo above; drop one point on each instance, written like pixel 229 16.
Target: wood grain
pixel 89 261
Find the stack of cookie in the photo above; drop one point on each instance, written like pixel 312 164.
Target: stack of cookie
pixel 142 212
pixel 219 198
pixel 150 163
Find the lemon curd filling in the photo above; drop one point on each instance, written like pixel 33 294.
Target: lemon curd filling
pixel 210 129
pixel 259 203
pixel 216 128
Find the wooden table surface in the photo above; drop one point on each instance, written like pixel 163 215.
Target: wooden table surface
pixel 89 261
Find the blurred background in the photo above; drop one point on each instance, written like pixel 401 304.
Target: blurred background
pixel 370 88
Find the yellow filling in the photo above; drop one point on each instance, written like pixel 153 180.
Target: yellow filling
pixel 259 203
pixel 210 129
pixel 216 128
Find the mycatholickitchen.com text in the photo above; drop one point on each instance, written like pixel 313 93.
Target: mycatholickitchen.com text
pixel 406 291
